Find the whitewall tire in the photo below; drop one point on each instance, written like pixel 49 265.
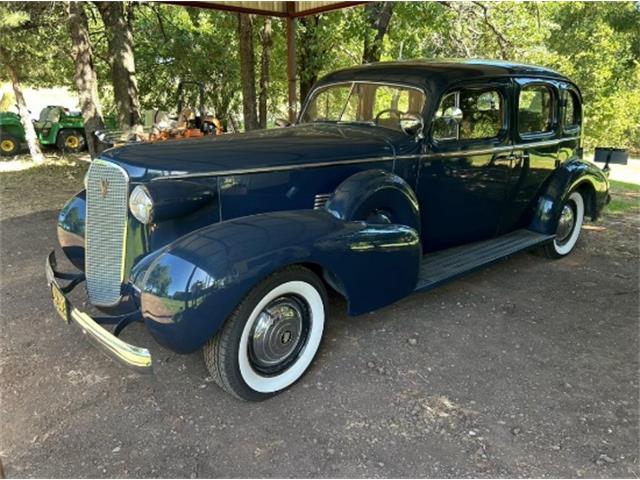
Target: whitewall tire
pixel 569 227
pixel 271 338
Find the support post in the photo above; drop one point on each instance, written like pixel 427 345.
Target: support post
pixel 291 65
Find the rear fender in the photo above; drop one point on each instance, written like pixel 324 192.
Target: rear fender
pixel 188 289
pixel 575 174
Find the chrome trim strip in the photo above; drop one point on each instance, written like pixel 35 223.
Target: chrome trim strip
pixel 281 168
pixel 468 153
pixel 422 156
pixel 544 143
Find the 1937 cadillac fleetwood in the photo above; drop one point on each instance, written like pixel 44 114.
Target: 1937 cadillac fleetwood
pixel 396 178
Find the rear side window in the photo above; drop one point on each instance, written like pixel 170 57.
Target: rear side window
pixel 572 111
pixel 535 110
pixel 482 115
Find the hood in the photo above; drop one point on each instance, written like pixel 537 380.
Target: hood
pixel 281 147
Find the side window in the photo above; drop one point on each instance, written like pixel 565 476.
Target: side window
pixel 482 115
pixel 572 111
pixel 535 110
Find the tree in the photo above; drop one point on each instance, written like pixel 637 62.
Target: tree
pixel 118 18
pixel 21 24
pixel 190 44
pixel 310 53
pixel 379 17
pixel 247 71
pixel 23 111
pixel 266 38
pixel 85 75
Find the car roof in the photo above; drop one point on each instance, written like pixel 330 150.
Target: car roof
pixel 438 74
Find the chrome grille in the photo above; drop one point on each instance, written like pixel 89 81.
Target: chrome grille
pixel 321 200
pixel 107 195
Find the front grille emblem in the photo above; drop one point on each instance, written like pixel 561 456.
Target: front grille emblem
pixel 104 187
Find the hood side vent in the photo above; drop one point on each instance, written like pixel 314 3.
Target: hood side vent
pixel 321 200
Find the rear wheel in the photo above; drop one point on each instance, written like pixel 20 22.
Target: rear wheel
pixel 9 145
pixel 569 226
pixel 271 338
pixel 71 141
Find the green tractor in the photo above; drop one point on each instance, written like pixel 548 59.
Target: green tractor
pixel 11 134
pixel 55 126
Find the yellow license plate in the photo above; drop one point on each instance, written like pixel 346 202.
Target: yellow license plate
pixel 60 303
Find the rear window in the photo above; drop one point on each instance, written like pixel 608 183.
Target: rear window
pixel 572 111
pixel 535 110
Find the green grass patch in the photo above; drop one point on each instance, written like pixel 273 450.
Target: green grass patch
pixel 625 198
pixel 40 187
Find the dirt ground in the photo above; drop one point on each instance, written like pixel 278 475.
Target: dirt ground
pixel 528 368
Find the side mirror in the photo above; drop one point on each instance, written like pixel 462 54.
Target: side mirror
pixel 452 114
pixel 281 122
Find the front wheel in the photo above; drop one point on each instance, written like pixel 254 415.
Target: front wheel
pixel 569 226
pixel 271 338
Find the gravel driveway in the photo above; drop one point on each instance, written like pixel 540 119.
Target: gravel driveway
pixel 528 368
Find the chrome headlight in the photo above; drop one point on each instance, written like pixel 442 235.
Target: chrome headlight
pixel 141 204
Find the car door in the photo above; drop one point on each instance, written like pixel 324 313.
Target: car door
pixel 536 138
pixel 464 174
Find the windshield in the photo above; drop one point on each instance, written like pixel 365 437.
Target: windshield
pixel 49 114
pixel 371 103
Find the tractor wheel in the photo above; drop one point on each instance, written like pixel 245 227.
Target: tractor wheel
pixel 71 141
pixel 9 145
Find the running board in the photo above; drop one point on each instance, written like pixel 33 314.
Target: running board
pixel 443 266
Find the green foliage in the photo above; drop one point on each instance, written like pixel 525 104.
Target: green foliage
pixel 595 43
pixel 174 44
pixel 35 44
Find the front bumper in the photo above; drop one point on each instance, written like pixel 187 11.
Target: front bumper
pixel 129 355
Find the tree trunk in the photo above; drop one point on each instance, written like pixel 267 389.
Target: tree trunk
pixel 247 71
pixel 117 18
pixel 310 53
pixel 379 17
pixel 267 44
pixel 85 76
pixel 29 132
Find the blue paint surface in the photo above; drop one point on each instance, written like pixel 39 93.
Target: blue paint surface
pixel 232 223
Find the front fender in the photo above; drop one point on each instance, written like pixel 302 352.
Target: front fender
pixel 572 175
pixel 188 289
pixel 71 229
pixel 370 190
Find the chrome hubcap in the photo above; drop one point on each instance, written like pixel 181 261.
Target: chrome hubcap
pixel 278 334
pixel 566 223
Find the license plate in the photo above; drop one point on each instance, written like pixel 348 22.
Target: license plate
pixel 60 303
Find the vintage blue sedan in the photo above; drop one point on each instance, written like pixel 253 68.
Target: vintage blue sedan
pixel 396 178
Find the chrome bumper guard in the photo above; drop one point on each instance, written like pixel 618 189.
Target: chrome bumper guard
pixel 129 355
